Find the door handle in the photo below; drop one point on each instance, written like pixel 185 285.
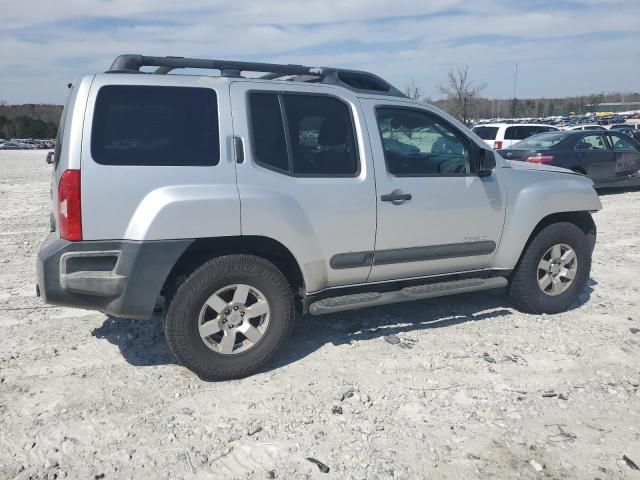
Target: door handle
pixel 396 197
pixel 238 146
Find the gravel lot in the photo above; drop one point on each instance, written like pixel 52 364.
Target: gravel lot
pixel 461 387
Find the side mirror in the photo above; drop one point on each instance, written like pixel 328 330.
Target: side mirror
pixel 486 162
pixel 50 158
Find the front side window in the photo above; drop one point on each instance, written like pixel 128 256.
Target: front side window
pixel 591 142
pixel 620 142
pixel 416 143
pixel 306 135
pixel 159 126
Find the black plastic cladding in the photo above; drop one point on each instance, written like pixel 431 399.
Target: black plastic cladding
pixel 358 81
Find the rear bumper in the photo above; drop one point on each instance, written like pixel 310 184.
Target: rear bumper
pixel 122 278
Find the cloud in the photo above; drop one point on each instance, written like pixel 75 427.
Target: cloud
pixel 562 47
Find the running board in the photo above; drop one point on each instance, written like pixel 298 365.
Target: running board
pixel 406 294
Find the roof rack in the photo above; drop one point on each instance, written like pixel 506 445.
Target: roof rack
pixel 356 80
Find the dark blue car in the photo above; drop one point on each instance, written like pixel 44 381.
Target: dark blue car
pixel 605 156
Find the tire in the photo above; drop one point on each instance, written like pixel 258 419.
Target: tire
pixel 524 288
pixel 184 319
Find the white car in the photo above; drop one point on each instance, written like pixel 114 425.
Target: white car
pixel 503 135
pixel 586 127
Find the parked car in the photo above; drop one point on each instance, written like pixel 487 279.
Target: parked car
pixel 12 146
pixel 503 135
pixel 633 130
pixel 585 127
pixel 606 157
pixel 240 199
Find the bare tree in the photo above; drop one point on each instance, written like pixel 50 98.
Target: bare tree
pixel 461 92
pixel 413 90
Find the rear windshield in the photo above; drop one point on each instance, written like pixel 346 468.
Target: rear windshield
pixel 520 132
pixel 140 125
pixel 486 133
pixel 542 140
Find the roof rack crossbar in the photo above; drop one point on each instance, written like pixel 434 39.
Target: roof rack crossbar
pixel 128 63
pixel 352 79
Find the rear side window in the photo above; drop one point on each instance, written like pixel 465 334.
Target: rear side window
pixel 160 126
pixel 306 135
pixel 486 133
pixel 520 132
pixel 269 144
pixel 60 134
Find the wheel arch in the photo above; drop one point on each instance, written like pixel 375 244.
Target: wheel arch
pixel 204 249
pixel 582 219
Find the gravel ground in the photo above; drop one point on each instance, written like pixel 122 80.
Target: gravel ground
pixel 460 387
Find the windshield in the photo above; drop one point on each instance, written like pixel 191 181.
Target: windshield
pixel 542 140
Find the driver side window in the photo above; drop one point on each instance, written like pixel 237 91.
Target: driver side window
pixel 416 143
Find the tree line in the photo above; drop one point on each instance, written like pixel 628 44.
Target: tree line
pixel 463 100
pixel 29 120
pixel 27 127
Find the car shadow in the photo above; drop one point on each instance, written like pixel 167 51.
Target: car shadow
pixel 142 342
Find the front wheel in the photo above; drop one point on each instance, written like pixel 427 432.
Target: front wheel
pixel 553 270
pixel 230 317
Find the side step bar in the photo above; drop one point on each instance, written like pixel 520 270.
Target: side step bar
pixel 406 294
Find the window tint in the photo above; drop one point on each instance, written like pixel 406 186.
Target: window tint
pixel 321 135
pixel 416 143
pixel 486 133
pixel 135 125
pixel 621 142
pixel 521 132
pixel 316 136
pixel 60 134
pixel 267 131
pixel 591 142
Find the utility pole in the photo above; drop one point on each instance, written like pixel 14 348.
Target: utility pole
pixel 515 80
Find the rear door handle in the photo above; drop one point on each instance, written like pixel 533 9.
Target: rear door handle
pixel 397 197
pixel 238 145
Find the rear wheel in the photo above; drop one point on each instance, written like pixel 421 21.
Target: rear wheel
pixel 230 317
pixel 553 270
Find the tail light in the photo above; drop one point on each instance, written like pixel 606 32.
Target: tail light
pixel 497 145
pixel 69 211
pixel 540 159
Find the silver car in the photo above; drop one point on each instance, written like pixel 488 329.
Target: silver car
pixel 227 203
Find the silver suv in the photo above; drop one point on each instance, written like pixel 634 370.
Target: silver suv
pixel 227 203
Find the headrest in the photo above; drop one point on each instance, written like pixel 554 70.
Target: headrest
pixel 333 131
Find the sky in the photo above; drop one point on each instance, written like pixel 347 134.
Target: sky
pixel 562 47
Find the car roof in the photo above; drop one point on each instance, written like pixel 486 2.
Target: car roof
pixel 358 81
pixel 182 79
